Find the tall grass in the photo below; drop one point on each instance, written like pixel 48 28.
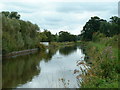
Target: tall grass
pixel 105 67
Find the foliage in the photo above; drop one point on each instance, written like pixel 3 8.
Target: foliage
pixel 20 35
pixel 21 68
pixel 95 24
pixel 41 47
pixel 65 37
pixel 17 34
pixel 105 70
pixel 97 36
pixel 11 15
pixel 90 27
pixel 67 50
pixel 47 36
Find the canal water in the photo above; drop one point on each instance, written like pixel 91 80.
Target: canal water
pixel 53 68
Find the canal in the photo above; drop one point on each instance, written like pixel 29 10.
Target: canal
pixel 53 68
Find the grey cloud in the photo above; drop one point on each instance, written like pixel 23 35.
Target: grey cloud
pixel 62 15
pixel 52 19
pixel 79 7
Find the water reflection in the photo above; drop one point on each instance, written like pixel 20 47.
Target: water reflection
pixel 19 70
pixel 50 52
pixel 40 67
pixel 67 50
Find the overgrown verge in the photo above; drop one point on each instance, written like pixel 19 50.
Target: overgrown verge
pixel 103 53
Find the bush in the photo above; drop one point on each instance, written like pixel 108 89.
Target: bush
pixel 41 47
pixel 105 68
pixel 97 36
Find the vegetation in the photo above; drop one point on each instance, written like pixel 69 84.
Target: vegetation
pixel 95 24
pixel 61 44
pixel 65 36
pixel 17 34
pixel 105 70
pixel 103 53
pixel 47 36
pixel 101 45
pixel 11 15
pixel 23 68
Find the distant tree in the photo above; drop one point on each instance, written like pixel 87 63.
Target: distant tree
pixel 42 37
pixel 48 34
pixel 54 38
pixel 65 36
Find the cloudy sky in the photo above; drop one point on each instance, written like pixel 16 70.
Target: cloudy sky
pixel 57 15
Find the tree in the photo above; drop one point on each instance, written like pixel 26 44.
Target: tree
pixel 115 21
pixel 6 13
pixel 95 24
pixel 14 15
pixel 48 35
pixel 11 15
pixel 105 28
pixel 65 36
pixel 18 34
pixel 90 27
pixel 110 28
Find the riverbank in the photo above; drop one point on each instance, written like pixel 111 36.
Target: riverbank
pixel 63 44
pixel 41 47
pixel 19 53
pixel 104 58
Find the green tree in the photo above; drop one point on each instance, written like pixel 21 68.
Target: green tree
pixel 48 35
pixel 90 27
pixel 95 24
pixel 6 13
pixel 14 15
pixel 18 34
pixel 65 36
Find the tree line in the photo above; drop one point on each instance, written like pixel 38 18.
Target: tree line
pixel 18 34
pixel 95 24
pixel 62 36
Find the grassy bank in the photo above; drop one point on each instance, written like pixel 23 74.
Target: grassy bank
pixel 62 44
pixel 105 67
pixel 41 47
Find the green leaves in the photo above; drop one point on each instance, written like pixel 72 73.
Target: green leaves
pixel 11 15
pixel 65 36
pixel 95 24
pixel 18 34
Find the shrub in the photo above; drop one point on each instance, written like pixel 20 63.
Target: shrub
pixel 41 47
pixel 97 36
